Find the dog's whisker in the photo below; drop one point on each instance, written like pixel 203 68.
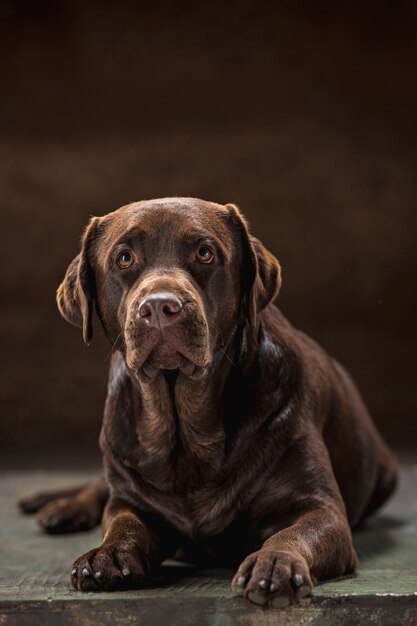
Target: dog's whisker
pixel 113 346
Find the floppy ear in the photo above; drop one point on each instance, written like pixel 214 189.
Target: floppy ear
pixel 75 295
pixel 261 271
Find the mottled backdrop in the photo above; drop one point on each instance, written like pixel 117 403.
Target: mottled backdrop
pixel 303 113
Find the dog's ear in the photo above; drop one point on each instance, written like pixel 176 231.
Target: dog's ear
pixel 76 293
pixel 261 271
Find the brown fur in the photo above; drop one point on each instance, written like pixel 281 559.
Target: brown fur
pixel 227 434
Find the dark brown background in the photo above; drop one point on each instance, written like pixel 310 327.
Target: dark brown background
pixel 303 113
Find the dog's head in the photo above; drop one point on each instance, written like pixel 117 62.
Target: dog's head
pixel 171 280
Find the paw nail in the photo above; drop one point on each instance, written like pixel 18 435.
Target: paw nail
pixel 298 579
pixel 263 584
pixel 241 581
pixel 74 572
pixel 85 572
pixel 98 575
pixel 280 602
pixel 273 587
pixel 126 572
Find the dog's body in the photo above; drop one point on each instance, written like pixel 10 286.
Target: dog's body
pixel 227 433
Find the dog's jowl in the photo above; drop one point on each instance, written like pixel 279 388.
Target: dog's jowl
pixel 228 435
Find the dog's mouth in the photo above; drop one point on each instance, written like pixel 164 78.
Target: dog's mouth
pixel 168 331
pixel 166 350
pixel 165 356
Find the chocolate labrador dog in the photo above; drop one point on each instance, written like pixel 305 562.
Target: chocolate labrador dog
pixel 228 434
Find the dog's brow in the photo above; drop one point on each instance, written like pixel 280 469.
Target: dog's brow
pixel 194 237
pixel 132 233
pixel 197 236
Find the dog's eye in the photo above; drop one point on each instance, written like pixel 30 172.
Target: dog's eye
pixel 205 254
pixel 124 259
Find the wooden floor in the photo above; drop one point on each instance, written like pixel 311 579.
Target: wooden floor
pixel 34 572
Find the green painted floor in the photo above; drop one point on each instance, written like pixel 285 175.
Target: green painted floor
pixel 34 570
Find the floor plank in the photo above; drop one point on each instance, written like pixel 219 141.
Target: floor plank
pixel 34 574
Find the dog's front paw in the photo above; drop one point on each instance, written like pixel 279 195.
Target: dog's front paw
pixel 111 567
pixel 273 578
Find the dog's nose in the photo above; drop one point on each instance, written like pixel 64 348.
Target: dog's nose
pixel 160 309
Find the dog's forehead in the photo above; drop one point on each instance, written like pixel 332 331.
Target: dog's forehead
pixel 176 218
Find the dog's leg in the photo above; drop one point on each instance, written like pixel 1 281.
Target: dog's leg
pixel 130 551
pixel 69 511
pixel 313 539
pixel 32 504
pixel 317 546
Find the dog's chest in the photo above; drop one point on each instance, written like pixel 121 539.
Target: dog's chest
pixel 190 496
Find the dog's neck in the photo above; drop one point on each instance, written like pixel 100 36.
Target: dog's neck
pixel 180 412
pixel 181 419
